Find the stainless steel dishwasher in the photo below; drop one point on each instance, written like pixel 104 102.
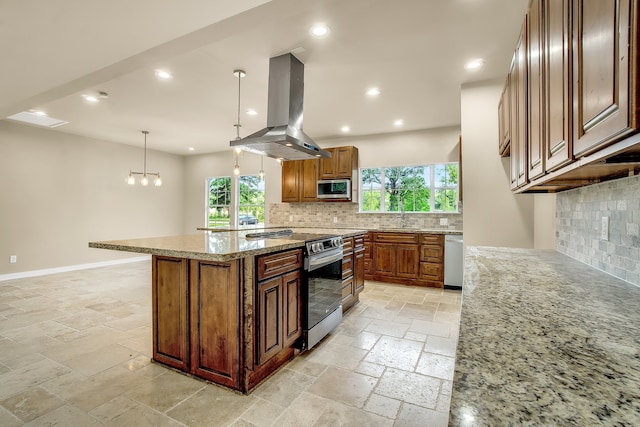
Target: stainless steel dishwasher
pixel 453 261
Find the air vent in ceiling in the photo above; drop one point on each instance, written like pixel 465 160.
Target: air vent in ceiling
pixel 37 119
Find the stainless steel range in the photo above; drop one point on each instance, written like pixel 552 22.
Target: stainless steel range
pixel 321 282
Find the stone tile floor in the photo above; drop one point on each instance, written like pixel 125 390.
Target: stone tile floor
pixel 75 350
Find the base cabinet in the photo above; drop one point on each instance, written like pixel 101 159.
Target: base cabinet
pixel 215 322
pixel 405 258
pixel 352 271
pixel 196 318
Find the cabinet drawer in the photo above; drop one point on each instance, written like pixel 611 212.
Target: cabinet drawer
pixel 396 237
pixel 347 245
pixel 431 270
pixel 431 253
pixel 432 239
pixel 358 241
pixel 347 288
pixel 347 266
pixel 278 263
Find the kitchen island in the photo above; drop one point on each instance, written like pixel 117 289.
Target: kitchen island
pixel 545 340
pixel 209 319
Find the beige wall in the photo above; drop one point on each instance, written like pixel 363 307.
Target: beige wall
pixel 544 221
pixel 60 191
pixel 199 168
pixel 493 215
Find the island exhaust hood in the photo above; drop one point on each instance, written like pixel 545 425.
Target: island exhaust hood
pixel 283 137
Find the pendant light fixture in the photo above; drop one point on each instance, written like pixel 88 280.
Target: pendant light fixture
pixel 144 180
pixel 236 168
pixel 261 173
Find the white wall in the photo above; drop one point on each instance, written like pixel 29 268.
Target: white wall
pixel 60 191
pixel 493 215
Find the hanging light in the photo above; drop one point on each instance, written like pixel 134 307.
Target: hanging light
pixel 144 181
pixel 261 173
pixel 236 168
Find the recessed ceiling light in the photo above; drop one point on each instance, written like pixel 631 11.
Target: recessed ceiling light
pixel 319 30
pixel 163 74
pixel 474 64
pixel 345 129
pixel 398 122
pixel 374 91
pixel 252 112
pixel 191 149
pixel 90 98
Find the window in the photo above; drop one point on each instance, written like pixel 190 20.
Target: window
pixel 251 205
pixel 219 201
pixel 251 201
pixel 429 188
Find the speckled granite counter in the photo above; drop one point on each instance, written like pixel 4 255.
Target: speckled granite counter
pixel 545 340
pixel 213 246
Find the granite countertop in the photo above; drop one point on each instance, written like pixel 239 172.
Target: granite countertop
pixel 339 230
pixel 545 340
pixel 214 246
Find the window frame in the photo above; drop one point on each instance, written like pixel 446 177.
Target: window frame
pixel 431 185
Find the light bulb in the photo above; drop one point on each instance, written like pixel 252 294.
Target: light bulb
pixel 236 169
pixel 144 181
pixel 130 179
pixel 158 181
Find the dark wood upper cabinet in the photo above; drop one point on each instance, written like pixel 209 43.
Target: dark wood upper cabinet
pixel 504 109
pixel 604 73
pixel 557 84
pixel 535 82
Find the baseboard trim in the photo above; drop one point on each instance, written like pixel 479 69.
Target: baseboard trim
pixel 65 269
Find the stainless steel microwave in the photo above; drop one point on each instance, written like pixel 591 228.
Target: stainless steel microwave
pixel 334 189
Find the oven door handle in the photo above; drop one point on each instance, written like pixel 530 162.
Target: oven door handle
pixel 315 263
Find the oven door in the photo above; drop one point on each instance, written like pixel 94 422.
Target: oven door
pixel 324 287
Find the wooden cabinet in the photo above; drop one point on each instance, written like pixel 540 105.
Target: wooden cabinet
pixel 535 91
pixel 352 271
pixel 342 163
pixel 406 258
pixel 214 299
pixel 196 318
pixel 299 180
pixel 368 254
pixel 519 115
pixel 396 255
pixel 170 311
pixel 278 303
pixel 573 87
pixel 604 73
pixel 557 92
pixel 358 263
pixel 432 258
pixel 504 123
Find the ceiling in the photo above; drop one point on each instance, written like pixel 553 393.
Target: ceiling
pixel 413 50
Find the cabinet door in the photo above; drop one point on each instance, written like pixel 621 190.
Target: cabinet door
pixel 328 166
pixel 358 269
pixel 384 257
pixel 407 261
pixel 504 108
pixel 309 180
pixel 535 89
pixel 270 314
pixel 522 102
pixel 557 53
pixel 290 181
pixel 170 312
pixel 344 162
pixel 292 320
pixel 214 294
pixel 513 121
pixel 604 73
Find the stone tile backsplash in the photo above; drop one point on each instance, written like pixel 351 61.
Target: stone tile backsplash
pixel 579 216
pixel 347 215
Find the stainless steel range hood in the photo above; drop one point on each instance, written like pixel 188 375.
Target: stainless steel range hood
pixel 283 137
